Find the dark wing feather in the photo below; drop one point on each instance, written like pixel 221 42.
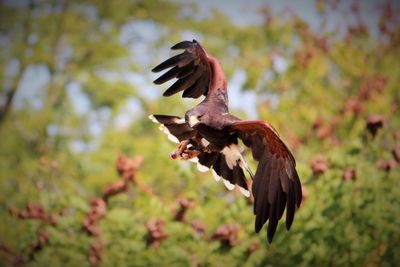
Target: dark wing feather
pixel 173 61
pixel 217 162
pixel 172 73
pixel 191 68
pixel 184 83
pixel 175 127
pixel 276 184
pixel 182 45
pixel 196 90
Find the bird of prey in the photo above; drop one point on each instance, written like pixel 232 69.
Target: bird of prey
pixel 209 135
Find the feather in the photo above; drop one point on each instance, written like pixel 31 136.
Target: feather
pixel 174 127
pixel 192 68
pixel 183 84
pixel 202 168
pixel 297 189
pixel 273 223
pixel 197 89
pixel 290 206
pixel 276 185
pixel 172 73
pixel 183 45
pixel 228 184
pixel 186 70
pixel 173 61
pixel 216 176
pixel 208 159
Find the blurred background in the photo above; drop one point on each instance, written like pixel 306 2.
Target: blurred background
pixel 86 178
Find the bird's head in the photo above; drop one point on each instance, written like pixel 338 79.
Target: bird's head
pixel 193 117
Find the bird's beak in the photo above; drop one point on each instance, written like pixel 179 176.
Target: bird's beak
pixel 193 120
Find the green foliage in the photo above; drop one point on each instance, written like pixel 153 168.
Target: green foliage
pixel 321 104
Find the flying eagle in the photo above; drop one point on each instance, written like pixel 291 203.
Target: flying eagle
pixel 209 135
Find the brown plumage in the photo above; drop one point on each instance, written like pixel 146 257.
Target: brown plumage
pixel 190 68
pixel 209 135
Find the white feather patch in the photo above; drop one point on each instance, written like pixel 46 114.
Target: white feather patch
pixel 202 168
pixel 165 129
pixel 194 160
pixel 228 184
pixel 243 164
pixel 173 138
pixel 153 119
pixel 193 120
pixel 232 155
pixel 245 192
pixel 170 136
pixel 216 176
pixel 179 120
pixel 204 142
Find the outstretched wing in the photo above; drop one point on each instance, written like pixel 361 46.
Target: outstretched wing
pixel 174 127
pixel 191 68
pixel 276 184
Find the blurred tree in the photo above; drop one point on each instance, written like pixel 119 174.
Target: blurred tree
pixel 75 95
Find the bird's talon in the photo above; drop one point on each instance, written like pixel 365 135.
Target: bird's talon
pixel 174 155
pixel 189 154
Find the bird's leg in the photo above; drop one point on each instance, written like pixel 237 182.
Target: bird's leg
pixel 189 154
pixel 192 153
pixel 179 151
pixel 185 153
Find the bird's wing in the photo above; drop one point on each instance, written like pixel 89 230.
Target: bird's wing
pixel 276 184
pixel 223 163
pixel 174 127
pixel 224 167
pixel 191 68
pixel 223 157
